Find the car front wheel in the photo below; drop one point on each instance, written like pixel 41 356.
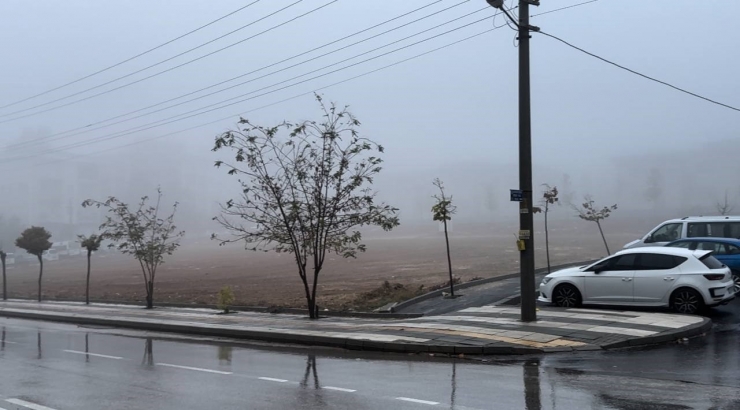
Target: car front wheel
pixel 567 296
pixel 736 280
pixel 687 301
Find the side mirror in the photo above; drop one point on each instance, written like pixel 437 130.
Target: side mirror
pixel 598 269
pixel 648 239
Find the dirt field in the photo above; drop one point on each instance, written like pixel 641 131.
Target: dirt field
pixel 410 256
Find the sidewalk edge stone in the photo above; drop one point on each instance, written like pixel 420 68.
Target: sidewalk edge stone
pixel 690 331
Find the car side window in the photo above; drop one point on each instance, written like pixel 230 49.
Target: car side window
pixel 656 261
pixel 719 230
pixel 624 262
pixel 696 229
pixel 733 250
pixel 716 247
pixel 667 233
pixel 684 245
pixel 606 265
pixel 735 230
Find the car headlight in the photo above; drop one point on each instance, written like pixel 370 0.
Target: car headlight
pixel 546 280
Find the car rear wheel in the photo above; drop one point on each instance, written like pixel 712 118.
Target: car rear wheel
pixel 687 301
pixel 567 296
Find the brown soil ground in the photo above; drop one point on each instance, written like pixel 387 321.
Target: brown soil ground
pixel 413 257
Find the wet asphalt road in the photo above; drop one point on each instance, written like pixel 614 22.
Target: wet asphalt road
pixel 45 363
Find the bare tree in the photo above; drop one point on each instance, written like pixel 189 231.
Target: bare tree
pixel 654 189
pixel 724 208
pixel 590 212
pixel 443 211
pixel 142 233
pixel 306 194
pixel 566 191
pixel 35 240
pixel 549 197
pixel 8 229
pixel 3 256
pixel 91 244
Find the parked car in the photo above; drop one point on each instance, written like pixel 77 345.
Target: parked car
pixel 725 250
pixel 690 227
pixel 682 279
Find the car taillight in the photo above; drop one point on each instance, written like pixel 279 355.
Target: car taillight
pixel 714 276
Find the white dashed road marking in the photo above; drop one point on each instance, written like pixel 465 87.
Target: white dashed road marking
pixel 338 389
pixel 94 354
pixel 192 368
pixel 8 341
pixel 28 404
pixel 431 403
pixel 270 379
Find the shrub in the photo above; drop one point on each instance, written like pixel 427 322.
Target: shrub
pixel 225 299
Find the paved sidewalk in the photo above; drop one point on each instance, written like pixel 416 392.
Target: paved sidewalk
pixel 481 330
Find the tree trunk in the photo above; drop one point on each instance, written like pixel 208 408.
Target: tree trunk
pixel 547 240
pixel 315 308
pixel 603 238
pixel 311 307
pixel 449 259
pixel 5 280
pixel 150 295
pixel 41 273
pixel 87 285
pixel 304 279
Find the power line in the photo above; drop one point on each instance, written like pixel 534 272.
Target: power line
pixel 563 8
pixel 264 106
pixel 88 129
pixel 215 106
pixel 639 74
pixel 131 58
pixel 269 105
pixel 156 64
pixel 299 76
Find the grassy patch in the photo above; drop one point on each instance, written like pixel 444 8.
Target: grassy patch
pixel 391 292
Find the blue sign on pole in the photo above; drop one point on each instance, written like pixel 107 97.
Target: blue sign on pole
pixel 517 195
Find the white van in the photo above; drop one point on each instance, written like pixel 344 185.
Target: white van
pixel 690 227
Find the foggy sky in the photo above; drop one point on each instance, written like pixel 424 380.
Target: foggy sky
pixel 451 114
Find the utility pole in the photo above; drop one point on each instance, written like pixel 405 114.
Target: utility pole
pixel 526 217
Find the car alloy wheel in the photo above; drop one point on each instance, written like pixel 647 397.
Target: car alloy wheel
pixel 686 301
pixel 736 280
pixel 567 296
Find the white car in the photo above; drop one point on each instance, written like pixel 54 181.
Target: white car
pixel 682 279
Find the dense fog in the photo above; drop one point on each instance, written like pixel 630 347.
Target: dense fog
pixel 451 114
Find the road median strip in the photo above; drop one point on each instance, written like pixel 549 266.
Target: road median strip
pixel 493 330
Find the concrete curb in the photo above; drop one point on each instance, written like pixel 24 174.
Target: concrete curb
pixel 256 309
pixel 664 337
pixel 272 337
pixel 479 282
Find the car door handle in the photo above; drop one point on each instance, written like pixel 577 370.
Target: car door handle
pixel 668 278
pixel 626 279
